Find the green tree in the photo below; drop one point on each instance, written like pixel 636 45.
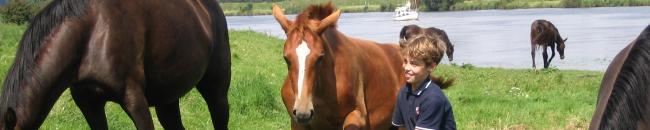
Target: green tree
pixel 439 5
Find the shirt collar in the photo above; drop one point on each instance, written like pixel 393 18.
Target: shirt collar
pixel 424 85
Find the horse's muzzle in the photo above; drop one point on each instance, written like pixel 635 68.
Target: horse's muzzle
pixel 303 117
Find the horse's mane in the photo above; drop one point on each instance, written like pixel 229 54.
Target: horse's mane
pixel 314 12
pixel 629 95
pixel 38 31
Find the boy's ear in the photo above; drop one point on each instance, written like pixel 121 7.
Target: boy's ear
pixel 431 67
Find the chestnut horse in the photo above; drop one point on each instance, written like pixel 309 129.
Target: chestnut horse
pixel 544 34
pixel 335 81
pixel 624 97
pixel 409 31
pixel 133 52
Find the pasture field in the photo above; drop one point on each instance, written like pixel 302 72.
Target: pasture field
pixel 483 98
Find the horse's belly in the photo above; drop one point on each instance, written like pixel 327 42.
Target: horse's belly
pixel 167 83
pixel 173 68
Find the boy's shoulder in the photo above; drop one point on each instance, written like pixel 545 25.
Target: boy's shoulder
pixel 402 90
pixel 435 92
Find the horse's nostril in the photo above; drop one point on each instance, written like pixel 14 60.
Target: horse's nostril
pixel 303 117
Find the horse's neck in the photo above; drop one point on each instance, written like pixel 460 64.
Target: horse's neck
pixel 339 44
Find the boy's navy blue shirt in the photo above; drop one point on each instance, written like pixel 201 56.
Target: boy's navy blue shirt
pixel 425 108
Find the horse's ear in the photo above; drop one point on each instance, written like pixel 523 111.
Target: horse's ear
pixel 565 39
pixel 329 20
pixel 279 16
pixel 403 33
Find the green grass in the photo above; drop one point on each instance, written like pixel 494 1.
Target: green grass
pixel 483 98
pixel 511 98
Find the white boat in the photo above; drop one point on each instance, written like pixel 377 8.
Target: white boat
pixel 405 13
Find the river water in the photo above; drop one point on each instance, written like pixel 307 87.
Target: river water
pixel 497 38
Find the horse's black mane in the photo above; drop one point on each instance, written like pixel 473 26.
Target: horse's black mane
pixel 629 96
pixel 38 31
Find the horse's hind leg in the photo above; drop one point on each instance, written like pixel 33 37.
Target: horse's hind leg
pixel 532 53
pixel 170 116
pixel 215 94
pixel 214 90
pixel 91 106
pixel 545 55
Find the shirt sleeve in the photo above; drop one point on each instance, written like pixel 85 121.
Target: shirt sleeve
pixel 450 123
pixel 397 114
pixel 430 115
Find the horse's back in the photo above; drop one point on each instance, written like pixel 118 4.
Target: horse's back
pixel 542 32
pixel 170 43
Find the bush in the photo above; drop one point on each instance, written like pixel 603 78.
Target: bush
pixel 571 3
pixel 439 5
pixel 18 12
pixel 388 7
pixel 247 10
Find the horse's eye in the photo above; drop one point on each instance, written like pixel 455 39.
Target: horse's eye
pixel 320 59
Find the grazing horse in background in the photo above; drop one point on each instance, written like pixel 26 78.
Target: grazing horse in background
pixel 624 97
pixel 132 52
pixel 335 81
pixel 409 31
pixel 544 34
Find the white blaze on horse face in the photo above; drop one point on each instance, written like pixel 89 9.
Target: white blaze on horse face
pixel 302 51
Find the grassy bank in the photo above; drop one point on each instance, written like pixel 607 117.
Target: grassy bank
pixel 483 98
pixel 295 6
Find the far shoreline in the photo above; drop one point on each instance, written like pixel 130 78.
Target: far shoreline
pixel 264 8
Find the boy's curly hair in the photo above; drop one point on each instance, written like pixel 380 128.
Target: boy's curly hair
pixel 430 49
pixel 427 48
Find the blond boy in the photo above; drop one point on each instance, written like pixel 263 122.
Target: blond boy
pixel 421 104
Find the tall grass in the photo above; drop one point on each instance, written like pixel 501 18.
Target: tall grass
pixel 483 98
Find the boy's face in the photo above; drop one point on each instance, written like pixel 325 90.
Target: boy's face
pixel 415 70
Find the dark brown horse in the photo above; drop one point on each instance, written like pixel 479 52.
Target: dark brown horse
pixel 335 81
pixel 409 31
pixel 624 97
pixel 136 53
pixel 544 34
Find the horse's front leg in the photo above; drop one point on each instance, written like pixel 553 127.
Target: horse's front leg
pixel 136 106
pixel 355 120
pixel 91 106
pixel 552 54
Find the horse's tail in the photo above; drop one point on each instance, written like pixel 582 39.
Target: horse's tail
pixel 442 81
